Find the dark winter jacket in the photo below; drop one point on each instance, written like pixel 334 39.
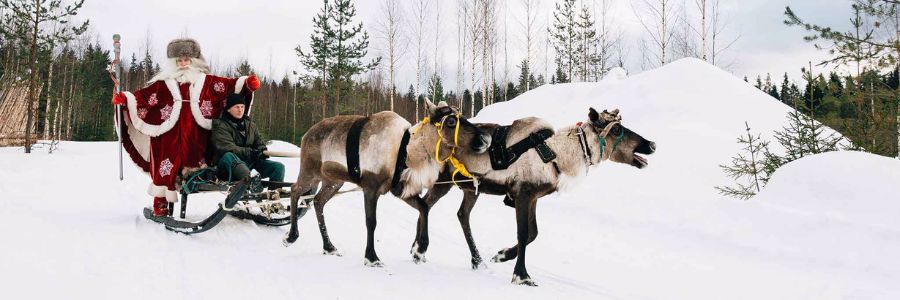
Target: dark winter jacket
pixel 236 136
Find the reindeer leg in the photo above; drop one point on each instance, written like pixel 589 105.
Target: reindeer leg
pixel 525 222
pixel 329 189
pixel 420 245
pixel 465 209
pixel 513 252
pixel 303 186
pixel 371 204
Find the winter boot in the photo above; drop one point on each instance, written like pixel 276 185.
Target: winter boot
pixel 160 207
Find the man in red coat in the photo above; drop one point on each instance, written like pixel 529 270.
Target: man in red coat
pixel 168 121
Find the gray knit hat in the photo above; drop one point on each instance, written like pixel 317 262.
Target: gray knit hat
pixel 183 48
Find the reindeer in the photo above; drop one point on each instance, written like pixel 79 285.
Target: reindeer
pixel 384 163
pixel 577 148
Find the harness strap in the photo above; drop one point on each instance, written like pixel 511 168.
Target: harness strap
pixel 603 135
pixel 401 159
pixel 502 158
pixel 582 139
pixel 353 148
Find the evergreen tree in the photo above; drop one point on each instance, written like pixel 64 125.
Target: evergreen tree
pixel 747 168
pixel 560 76
pixel 436 89
pixel 564 33
pixel 587 39
pixel 317 60
pixel 350 46
pixel 527 81
pixel 511 90
pixel 866 47
pixel 786 97
pixel 39 25
pixel 835 87
pixel 94 86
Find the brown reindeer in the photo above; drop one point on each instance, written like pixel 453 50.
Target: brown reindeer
pixel 577 148
pixel 326 155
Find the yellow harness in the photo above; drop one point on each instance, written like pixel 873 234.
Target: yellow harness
pixel 458 166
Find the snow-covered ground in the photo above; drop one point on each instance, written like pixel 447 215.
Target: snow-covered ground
pixel 826 227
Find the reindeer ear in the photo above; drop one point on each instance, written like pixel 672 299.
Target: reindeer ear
pixel 430 108
pixel 593 115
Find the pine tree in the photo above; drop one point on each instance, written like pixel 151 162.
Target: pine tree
pixel 318 59
pixel 436 89
pixel 564 33
pixel 587 39
pixel 560 76
pixel 786 97
pixel 349 48
pixel 511 91
pixel 867 44
pixel 40 25
pixel 526 78
pixel 747 168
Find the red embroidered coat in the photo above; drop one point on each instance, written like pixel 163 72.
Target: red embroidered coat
pixel 167 126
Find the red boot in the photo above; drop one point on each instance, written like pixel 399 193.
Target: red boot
pixel 160 207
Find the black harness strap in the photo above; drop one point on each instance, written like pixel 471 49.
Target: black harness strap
pixel 353 148
pixel 401 159
pixel 502 158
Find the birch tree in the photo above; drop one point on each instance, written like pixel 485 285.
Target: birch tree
pixel 658 18
pixel 394 43
pixel 529 27
pixel 420 10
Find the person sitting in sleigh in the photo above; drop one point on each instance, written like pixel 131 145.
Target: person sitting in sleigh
pixel 237 146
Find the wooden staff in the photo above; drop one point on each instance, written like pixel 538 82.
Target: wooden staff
pixel 115 71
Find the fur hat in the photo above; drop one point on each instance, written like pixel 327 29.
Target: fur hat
pixel 234 99
pixel 183 47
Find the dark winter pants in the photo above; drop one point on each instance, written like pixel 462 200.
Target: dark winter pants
pixel 233 168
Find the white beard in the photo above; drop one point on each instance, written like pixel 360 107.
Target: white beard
pixel 186 75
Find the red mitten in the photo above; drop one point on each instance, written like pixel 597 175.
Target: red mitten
pixel 253 83
pixel 119 99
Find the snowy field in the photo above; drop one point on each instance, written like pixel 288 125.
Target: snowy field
pixel 826 227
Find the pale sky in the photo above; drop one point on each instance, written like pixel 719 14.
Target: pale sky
pixel 268 31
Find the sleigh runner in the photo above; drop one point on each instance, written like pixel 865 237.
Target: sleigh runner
pixel 260 201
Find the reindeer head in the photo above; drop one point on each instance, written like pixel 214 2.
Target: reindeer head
pixel 455 130
pixel 616 142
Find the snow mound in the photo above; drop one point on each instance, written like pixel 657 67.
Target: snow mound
pixel 854 187
pixel 616 73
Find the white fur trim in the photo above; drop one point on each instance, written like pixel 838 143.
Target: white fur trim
pixel 240 84
pixel 162 191
pixel 155 130
pixel 140 141
pixel 196 89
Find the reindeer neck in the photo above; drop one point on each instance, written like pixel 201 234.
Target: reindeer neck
pixel 570 157
pixel 422 168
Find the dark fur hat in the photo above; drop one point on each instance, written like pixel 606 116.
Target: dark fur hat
pixel 183 47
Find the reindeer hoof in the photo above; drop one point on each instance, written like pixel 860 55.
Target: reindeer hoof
pixel 500 257
pixel 373 264
pixel 333 251
pixel 419 258
pixel 477 263
pixel 288 240
pixel 523 281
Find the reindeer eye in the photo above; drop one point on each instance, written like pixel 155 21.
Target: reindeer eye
pixel 616 130
pixel 451 122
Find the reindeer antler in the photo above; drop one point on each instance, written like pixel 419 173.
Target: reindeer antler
pixel 611 116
